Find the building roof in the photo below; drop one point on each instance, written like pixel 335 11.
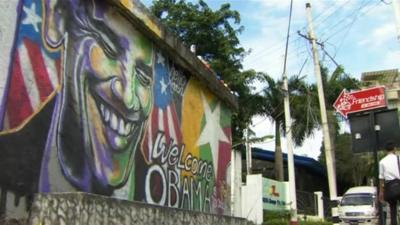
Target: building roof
pixel 380 77
pixel 307 163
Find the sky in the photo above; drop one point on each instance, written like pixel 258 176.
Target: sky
pixel 359 34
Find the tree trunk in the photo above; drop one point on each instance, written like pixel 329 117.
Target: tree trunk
pixel 278 153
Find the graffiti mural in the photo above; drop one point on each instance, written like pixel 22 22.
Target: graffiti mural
pixel 91 104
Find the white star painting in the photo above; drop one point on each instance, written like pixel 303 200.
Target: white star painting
pixel 160 59
pixel 164 86
pixel 212 132
pixel 32 17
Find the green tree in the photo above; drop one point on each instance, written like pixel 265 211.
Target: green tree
pixel 333 86
pixel 301 108
pixel 215 35
pixel 211 31
pixel 351 169
pixel 214 32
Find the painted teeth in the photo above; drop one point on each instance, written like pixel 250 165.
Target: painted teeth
pixel 121 127
pixel 107 115
pixel 116 123
pixel 102 109
pixel 128 128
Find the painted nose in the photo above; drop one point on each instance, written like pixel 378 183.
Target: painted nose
pixel 125 93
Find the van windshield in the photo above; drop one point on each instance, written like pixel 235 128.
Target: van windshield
pixel 357 199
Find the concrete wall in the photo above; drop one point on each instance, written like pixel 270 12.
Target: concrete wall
pixel 81 208
pixel 252 204
pixel 236 183
pixel 97 97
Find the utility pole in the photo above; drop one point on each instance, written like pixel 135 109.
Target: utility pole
pixel 288 129
pixel 397 16
pixel 329 154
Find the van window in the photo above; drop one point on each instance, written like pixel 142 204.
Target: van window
pixel 357 199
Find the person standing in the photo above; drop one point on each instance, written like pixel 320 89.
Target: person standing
pixel 389 171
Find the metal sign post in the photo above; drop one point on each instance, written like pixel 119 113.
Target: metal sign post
pixel 377 128
pixel 370 131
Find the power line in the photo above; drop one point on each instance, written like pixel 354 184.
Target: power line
pixel 273 49
pixel 355 18
pixel 251 62
pixel 280 44
pixel 326 53
pixel 341 23
pixel 318 23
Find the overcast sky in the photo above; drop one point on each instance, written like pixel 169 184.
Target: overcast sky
pixel 359 34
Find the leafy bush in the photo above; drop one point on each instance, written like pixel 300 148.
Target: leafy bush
pixel 283 218
pixel 315 223
pixel 286 222
pixel 276 222
pixel 276 215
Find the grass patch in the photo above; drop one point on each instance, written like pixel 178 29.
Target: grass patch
pixel 283 218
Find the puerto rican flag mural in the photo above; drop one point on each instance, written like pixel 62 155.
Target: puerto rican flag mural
pixel 163 132
pixel 33 75
pixel 164 117
pixel 187 156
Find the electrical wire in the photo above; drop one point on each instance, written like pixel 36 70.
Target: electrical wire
pixel 342 22
pixel 280 43
pixel 387 3
pixel 347 27
pixel 340 7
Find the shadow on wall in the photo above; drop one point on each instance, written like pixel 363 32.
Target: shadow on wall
pixel 20 161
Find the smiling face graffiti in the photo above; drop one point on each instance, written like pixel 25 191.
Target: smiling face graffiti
pixel 107 92
pixel 118 98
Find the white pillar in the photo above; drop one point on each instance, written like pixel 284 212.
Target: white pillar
pixel 232 182
pixel 288 130
pixel 236 183
pixel 320 204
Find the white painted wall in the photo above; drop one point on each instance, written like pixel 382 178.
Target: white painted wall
pixel 252 207
pixel 236 185
pixel 8 19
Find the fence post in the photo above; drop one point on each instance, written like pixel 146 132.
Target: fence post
pixel 320 204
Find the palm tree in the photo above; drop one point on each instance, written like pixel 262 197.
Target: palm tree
pixel 333 85
pixel 304 107
pixel 301 109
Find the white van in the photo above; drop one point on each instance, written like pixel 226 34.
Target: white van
pixel 357 206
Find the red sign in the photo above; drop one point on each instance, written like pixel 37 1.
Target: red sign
pixel 362 100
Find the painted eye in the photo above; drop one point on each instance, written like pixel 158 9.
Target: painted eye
pixel 105 37
pixel 143 78
pixel 144 73
pixel 109 48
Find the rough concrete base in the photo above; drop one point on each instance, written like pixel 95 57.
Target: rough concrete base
pixel 83 209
